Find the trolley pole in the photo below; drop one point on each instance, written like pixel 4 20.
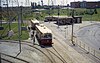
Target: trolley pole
pixel 72 27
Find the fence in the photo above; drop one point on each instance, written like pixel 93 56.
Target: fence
pixel 88 48
pixel 0 57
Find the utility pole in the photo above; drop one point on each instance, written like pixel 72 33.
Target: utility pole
pixel 72 27
pixel 19 28
pixel 52 7
pixel 42 2
pixel 21 7
pixel 0 2
pixel 8 14
pixel 19 32
pixel 0 14
pixel 12 4
pixel 58 16
pixel 0 58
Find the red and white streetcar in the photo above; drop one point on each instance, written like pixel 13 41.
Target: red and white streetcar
pixel 34 23
pixel 44 35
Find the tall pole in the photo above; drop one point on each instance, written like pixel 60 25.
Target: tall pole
pixel 42 2
pixel 58 16
pixel 48 8
pixel 21 14
pixel 0 14
pixel 12 4
pixel 21 17
pixel 8 14
pixel 52 7
pixel 0 58
pixel 65 32
pixel 72 27
pixel 19 29
pixel 0 3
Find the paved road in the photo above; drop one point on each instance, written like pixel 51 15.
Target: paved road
pixel 30 54
pixel 60 37
pixel 64 35
pixel 90 35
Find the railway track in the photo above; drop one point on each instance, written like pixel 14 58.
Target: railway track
pixel 57 54
pixel 52 56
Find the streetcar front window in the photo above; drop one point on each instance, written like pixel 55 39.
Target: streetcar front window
pixel 48 35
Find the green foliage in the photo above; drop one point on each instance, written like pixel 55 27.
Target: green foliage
pixel 14 27
pixel 85 13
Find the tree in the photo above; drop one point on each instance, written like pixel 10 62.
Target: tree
pixel 95 11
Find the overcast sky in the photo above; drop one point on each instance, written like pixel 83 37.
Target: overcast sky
pixel 61 1
pixel 45 2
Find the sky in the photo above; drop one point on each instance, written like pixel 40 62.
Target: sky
pixel 45 2
pixel 60 2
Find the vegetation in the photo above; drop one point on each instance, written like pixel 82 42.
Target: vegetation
pixel 87 14
pixel 29 13
pixel 14 27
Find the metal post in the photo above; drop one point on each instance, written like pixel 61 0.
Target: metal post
pixel 58 16
pixel 21 17
pixel 0 3
pixel 72 34
pixel 19 29
pixel 0 14
pixel 21 14
pixel 65 31
pixel 8 14
pixel 0 58
pixel 72 28
pixel 19 32
pixel 49 13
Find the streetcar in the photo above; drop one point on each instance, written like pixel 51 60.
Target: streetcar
pixel 34 23
pixel 64 20
pixel 50 18
pixel 44 35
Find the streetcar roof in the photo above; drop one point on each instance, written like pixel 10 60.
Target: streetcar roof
pixel 43 29
pixel 35 21
pixel 61 16
pixel 58 17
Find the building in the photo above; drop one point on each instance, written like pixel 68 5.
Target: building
pixel 85 4
pixel 33 4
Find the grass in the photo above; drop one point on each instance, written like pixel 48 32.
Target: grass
pixel 41 16
pixel 14 27
pixel 67 12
